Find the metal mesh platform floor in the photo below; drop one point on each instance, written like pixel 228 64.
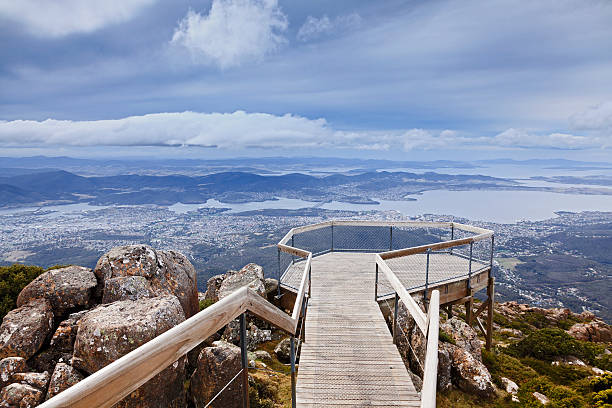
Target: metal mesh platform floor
pixel 443 268
pixel 348 358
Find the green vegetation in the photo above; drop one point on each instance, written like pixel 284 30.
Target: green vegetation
pixel 204 303
pixel 445 337
pixel 12 280
pixel 546 344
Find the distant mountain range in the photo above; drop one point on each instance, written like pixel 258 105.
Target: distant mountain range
pixel 60 186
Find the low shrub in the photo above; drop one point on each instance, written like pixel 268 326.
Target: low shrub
pixel 204 303
pixel 12 280
pixel 503 365
pixel 546 344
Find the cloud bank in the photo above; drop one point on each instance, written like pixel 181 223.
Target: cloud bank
pixel 233 32
pixel 241 130
pixel 57 18
pixel 314 28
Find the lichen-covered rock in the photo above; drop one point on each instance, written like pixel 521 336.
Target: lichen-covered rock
pixel 283 350
pixel 47 359
pixel 595 331
pixel 250 275
pixel 510 386
pixel 20 396
pixel 469 374
pixel 444 367
pixel 541 398
pixel 166 272
pixel 36 380
pixel 63 377
pixel 65 334
pixel 255 335
pixel 9 366
pixel 65 288
pixel 271 286
pixel 216 367
pixel 212 287
pixel 464 336
pixel 110 331
pixel 126 288
pixel 25 329
pixel 262 355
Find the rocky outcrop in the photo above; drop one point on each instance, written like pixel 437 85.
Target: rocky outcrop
pixel 212 287
pixel 216 366
pixel 65 288
pixel 271 287
pixel 595 331
pixel 20 396
pixel 25 329
pixel 63 377
pixel 255 335
pixel 9 366
pixel 111 331
pixel 165 272
pixel 469 374
pixel 65 334
pixel 444 367
pixel 36 380
pixel 250 275
pixel 283 350
pixel 463 335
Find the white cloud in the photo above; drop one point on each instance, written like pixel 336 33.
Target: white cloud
pixel 57 18
pixel 314 28
pixel 239 130
pixel 234 31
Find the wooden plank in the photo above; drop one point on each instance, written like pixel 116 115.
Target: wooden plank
pixel 412 224
pixel 268 312
pixel 471 228
pixel 293 251
pixel 423 248
pixel 312 227
pixel 428 392
pixel 491 297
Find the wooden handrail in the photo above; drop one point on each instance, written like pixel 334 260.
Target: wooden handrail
pixel 111 384
pixel 430 374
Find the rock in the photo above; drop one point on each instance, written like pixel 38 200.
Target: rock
pixel 541 398
pixel 65 334
pixel 110 331
pixel 250 275
pixel 25 329
pixel 262 355
pixel 63 377
pixel 416 381
pixel 216 367
pixel 271 287
pixel 36 380
pixel 65 288
pixel 598 371
pixel 510 386
pixel 444 367
pixel 126 288
pixel 515 333
pixel 469 374
pixel 46 360
pixel 416 356
pixel 255 335
pixel 283 350
pixel 21 395
pixel 212 287
pixel 568 360
pixel 166 272
pixel 464 336
pixel 9 366
pixel 595 331
pixel 515 399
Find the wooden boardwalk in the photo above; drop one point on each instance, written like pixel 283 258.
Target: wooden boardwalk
pixel 348 358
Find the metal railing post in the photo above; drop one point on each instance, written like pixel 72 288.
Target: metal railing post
pixel 293 245
pixel 396 307
pixel 376 285
pixel 426 279
pixel 470 266
pixel 278 294
pixel 292 358
pixel 332 237
pixel 245 363
pixel 452 236
pixel 391 238
pixel 491 264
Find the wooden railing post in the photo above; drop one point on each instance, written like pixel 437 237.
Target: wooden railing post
pixel 278 290
pixel 430 376
pixel 425 302
pixel 245 362
pixel 292 358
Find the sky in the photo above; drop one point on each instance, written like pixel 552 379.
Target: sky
pixel 394 79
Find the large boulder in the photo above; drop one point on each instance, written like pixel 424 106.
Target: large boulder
pixel 212 287
pixel 283 350
pixel 469 374
pixel 25 329
pixel 464 336
pixel 444 367
pixel 36 380
pixel 65 288
pixel 596 331
pixel 215 368
pixel 20 396
pixel 10 366
pixel 250 275
pixel 113 330
pixel 255 335
pixel 63 377
pixel 166 273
